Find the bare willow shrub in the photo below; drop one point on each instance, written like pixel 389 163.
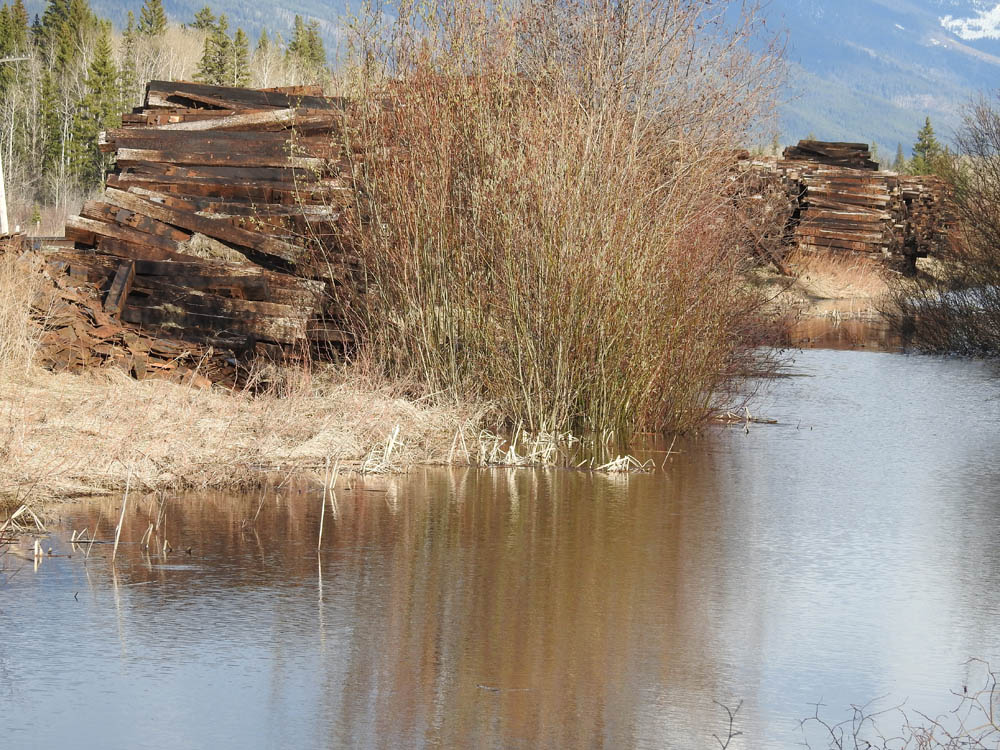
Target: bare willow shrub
pixel 958 310
pixel 548 219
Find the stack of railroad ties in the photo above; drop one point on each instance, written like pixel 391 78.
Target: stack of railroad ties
pixel 840 202
pixel 215 241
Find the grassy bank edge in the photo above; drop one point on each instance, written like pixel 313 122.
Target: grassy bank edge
pixel 70 435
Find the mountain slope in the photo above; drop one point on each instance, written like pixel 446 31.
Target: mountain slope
pixel 874 69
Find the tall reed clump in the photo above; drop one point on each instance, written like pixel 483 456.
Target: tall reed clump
pixel 18 331
pixel 547 215
pixel 957 309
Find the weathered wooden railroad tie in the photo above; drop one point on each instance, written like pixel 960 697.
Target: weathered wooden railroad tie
pixel 218 229
pixel 840 202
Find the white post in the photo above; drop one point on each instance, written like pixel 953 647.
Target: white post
pixel 4 225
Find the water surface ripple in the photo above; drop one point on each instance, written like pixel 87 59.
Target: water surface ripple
pixel 846 553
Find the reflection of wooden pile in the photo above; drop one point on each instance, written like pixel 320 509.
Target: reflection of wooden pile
pixel 850 155
pixel 217 225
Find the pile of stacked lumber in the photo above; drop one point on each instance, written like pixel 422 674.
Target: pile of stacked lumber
pixel 850 155
pixel 925 213
pixel 218 225
pixel 842 203
pixel 839 208
pixel 77 331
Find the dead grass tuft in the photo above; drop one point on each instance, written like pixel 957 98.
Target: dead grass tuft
pixel 69 435
pixel 837 275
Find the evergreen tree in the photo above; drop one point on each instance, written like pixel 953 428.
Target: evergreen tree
pixel 152 18
pixel 204 20
pixel 19 24
pixel 45 30
pixel 263 43
pixel 6 43
pixel 926 151
pixel 216 54
pixel 13 29
pixel 51 125
pixel 69 30
pixel 238 71
pixel 7 47
pixel 127 81
pixel 97 111
pixel 899 164
pixel 306 48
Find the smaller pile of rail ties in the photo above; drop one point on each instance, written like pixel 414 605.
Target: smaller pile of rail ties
pixel 840 202
pixel 215 242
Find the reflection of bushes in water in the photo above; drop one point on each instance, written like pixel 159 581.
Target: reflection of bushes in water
pixel 958 308
pixel 548 221
pixel 973 723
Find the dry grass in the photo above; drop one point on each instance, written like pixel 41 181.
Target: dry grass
pixel 18 336
pixel 837 275
pixel 71 434
pixel 66 434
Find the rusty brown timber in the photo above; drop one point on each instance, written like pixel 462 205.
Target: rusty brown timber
pixel 838 201
pixel 216 233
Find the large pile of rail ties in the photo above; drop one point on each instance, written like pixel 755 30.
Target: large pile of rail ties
pixel 216 244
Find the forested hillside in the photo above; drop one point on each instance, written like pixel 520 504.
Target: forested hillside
pixel 69 74
pixel 873 70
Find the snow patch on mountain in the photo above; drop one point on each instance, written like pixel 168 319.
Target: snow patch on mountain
pixel 984 25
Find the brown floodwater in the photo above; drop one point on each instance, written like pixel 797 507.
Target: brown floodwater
pixel 846 553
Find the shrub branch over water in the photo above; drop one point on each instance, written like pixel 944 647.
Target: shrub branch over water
pixel 548 219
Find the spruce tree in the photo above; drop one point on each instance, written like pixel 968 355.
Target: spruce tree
pixel 152 18
pixel 19 24
pixel 204 20
pixel 53 17
pixel 316 51
pixel 298 43
pixel 306 48
pixel 215 57
pixel 97 111
pixel 127 80
pixel 926 151
pixel 263 43
pixel 7 47
pixel 51 125
pixel 238 73
pixel 6 42
pixel 899 165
